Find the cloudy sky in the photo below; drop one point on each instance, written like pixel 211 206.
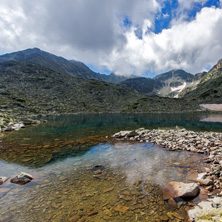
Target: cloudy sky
pixel 143 37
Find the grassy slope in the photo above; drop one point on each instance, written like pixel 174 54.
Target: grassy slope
pixel 32 89
pixel 209 90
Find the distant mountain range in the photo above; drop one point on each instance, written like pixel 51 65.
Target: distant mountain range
pixel 33 81
pixel 59 64
pixel 169 84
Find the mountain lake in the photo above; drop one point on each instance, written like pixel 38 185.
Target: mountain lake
pixel 82 174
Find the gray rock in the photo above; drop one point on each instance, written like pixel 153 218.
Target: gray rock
pixel 22 178
pixel 179 189
pixel 203 179
pixel 3 180
pixel 121 134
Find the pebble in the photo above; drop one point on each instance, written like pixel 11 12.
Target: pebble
pixel 120 208
pixel 94 212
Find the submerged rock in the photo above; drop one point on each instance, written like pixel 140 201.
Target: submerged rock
pixel 179 189
pixel 22 178
pixel 121 208
pixel 98 167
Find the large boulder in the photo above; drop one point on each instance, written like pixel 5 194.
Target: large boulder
pixel 22 178
pixel 179 189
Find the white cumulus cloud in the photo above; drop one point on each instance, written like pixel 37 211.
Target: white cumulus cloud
pixel 189 45
pixel 94 32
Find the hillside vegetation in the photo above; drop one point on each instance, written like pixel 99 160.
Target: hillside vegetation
pixel 209 90
pixel 27 88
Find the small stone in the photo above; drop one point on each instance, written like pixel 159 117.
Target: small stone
pixel 94 212
pixel 164 218
pixel 121 134
pixel 3 180
pixel 120 208
pixel 22 178
pixel 63 178
pixel 98 171
pixel 108 190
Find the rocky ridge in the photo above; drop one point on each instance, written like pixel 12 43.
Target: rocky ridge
pixel 207 143
pixel 59 64
pixel 209 89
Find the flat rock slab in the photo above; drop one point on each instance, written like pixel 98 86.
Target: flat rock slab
pixel 3 180
pixel 120 208
pixel 179 189
pixel 210 210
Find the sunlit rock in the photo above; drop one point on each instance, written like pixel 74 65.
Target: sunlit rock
pixel 22 178
pixel 179 189
pixel 3 180
pixel 121 134
pixel 203 179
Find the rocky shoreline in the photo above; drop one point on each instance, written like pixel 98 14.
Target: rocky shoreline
pixel 8 123
pixel 206 143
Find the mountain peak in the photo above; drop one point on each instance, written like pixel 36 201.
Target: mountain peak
pixel 59 64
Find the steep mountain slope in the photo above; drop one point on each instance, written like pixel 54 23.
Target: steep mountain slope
pixel 209 90
pixel 197 79
pixel 168 84
pixel 59 64
pixel 27 88
pixel 174 82
pixel 143 85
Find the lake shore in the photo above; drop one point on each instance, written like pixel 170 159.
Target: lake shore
pixel 206 143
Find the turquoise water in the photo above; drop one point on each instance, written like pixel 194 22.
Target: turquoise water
pixel 81 174
pixel 71 127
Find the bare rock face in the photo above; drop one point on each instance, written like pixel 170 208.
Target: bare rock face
pixel 22 178
pixel 179 189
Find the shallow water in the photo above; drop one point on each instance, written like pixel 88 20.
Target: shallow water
pixel 116 182
pixel 80 174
